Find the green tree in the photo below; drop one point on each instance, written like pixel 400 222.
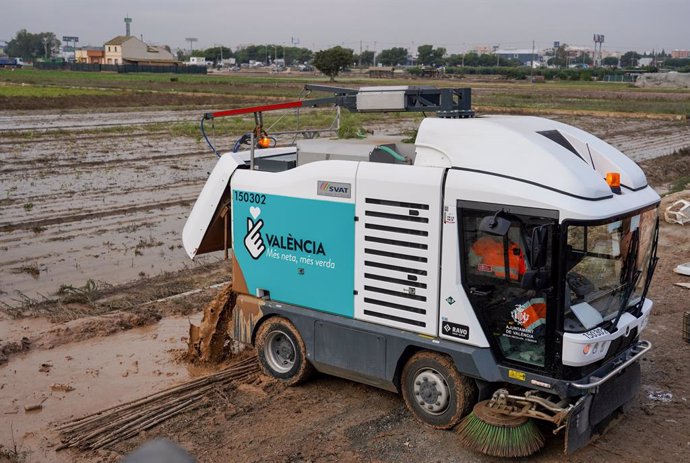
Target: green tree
pixel 560 58
pixel 676 62
pixel 455 60
pixel 214 53
pixel 630 59
pixel 428 56
pixel 396 56
pixel 332 61
pixel 365 59
pixel 30 46
pixel 610 61
pixel 471 59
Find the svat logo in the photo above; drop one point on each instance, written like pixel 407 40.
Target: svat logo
pixel 335 189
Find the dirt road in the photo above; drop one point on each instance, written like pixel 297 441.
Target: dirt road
pixel 110 208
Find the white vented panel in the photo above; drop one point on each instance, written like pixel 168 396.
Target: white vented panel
pixel 397 246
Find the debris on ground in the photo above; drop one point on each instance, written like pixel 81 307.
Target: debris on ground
pixel 678 212
pixel 113 425
pixel 683 269
pixel 33 407
pixel 58 387
pixel 45 368
pixel 660 396
pixel 11 347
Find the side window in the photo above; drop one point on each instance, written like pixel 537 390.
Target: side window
pixel 494 267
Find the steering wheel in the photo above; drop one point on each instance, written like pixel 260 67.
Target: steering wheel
pixel 579 284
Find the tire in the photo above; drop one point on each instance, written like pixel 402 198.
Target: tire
pixel 281 352
pixel 435 392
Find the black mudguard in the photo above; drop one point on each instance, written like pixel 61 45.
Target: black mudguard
pixel 594 411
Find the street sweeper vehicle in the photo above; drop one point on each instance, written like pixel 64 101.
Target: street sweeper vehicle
pixel 494 271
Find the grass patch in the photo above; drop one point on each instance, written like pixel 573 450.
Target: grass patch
pixel 13 91
pixel 680 184
pixel 86 294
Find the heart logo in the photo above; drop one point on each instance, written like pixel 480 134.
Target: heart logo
pixel 255 211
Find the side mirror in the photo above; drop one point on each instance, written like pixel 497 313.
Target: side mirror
pixel 539 245
pixel 536 279
pixel 494 225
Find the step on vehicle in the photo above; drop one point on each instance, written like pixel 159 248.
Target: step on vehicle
pixel 494 271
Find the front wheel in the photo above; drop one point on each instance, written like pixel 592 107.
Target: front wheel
pixel 435 392
pixel 281 352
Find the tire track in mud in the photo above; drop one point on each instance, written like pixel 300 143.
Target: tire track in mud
pixel 29 165
pixel 91 215
pixel 104 208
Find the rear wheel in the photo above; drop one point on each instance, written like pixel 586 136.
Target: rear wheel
pixel 435 392
pixel 281 351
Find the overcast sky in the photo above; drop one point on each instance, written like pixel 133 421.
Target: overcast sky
pixel 455 24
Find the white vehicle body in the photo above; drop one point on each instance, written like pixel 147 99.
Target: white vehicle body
pixel 360 251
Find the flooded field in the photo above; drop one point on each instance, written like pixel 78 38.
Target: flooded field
pixel 101 208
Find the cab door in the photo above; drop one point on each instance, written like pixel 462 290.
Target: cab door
pixel 513 315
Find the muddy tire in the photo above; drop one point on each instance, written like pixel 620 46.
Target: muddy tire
pixel 435 392
pixel 281 352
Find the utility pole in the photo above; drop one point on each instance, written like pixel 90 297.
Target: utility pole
pixel 360 53
pixel 531 71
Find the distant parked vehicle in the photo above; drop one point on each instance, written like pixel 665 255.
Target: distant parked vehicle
pixel 6 62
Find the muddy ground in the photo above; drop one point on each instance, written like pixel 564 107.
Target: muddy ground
pixel 96 293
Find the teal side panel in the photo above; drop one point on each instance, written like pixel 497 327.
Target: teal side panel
pixel 300 250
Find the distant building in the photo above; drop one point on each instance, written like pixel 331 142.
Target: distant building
pixel 89 55
pixel 525 56
pixel 680 54
pixel 382 72
pixel 130 50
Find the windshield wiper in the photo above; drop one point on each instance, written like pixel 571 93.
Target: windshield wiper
pixel 650 270
pixel 629 268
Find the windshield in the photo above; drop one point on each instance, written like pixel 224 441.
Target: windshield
pixel 604 262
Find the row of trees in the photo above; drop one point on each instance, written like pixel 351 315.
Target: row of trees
pixel 30 46
pixel 259 53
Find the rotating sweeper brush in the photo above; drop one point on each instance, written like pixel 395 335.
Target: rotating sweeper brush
pixel 489 432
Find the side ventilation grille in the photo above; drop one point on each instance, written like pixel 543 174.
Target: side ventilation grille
pixel 396 261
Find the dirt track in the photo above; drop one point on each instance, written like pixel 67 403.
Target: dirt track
pixel 111 208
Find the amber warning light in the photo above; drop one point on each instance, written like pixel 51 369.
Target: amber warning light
pixel 614 181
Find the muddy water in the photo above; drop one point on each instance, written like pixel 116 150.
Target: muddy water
pixel 100 209
pixel 103 372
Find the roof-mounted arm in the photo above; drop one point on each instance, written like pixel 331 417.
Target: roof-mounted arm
pixel 445 102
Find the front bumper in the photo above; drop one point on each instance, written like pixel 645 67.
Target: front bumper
pixel 606 394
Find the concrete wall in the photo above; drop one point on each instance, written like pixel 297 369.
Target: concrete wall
pixel 665 80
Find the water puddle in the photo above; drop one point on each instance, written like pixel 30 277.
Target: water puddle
pixel 43 387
